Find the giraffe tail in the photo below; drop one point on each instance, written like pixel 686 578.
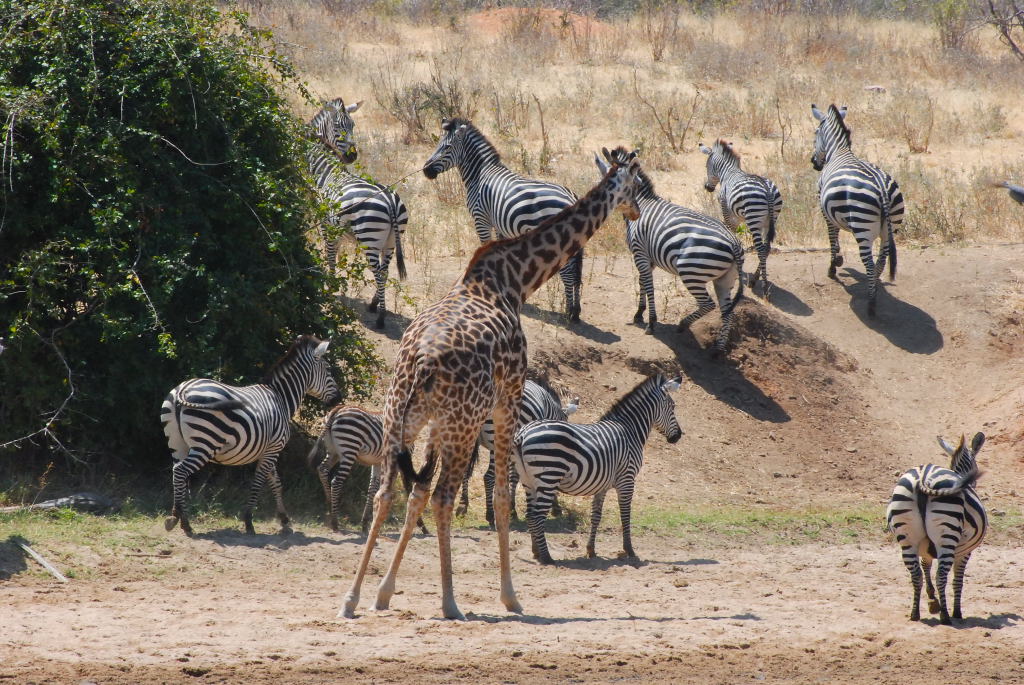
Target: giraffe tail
pixel 423 381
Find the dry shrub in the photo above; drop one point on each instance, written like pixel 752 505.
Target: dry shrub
pixel 911 115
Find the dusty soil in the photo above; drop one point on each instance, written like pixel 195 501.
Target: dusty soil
pixel 817 406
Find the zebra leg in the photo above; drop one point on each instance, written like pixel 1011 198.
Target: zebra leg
pixel 380 275
pixel 325 471
pixel 911 562
pixel 595 520
pixel 833 244
pixel 723 291
pixel 646 278
pixel 959 567
pixel 275 487
pixel 263 470
pixel 373 488
pixel 538 502
pixel 941 576
pixel 571 274
pixel 180 474
pixel 338 479
pixel 489 491
pixel 926 569
pixel 699 290
pixel 513 484
pixel 556 509
pixel 625 495
pixel 871 272
pixel 463 507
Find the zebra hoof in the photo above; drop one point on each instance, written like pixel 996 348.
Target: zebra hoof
pixel 945 620
pixel 249 530
pixel 649 330
pixel 837 260
pixel 372 306
pixel 285 531
pixel 170 522
pixel 545 560
pixel 915 616
pixel 933 606
pixel 591 552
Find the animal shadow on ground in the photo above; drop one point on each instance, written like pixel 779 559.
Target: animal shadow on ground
pixel 904 325
pixel 600 563
pixel 12 558
pixel 993 622
pixel 231 537
pixel 787 301
pixel 718 377
pixel 580 328
pixel 394 324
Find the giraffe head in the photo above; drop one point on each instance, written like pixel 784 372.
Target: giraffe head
pixel 449 147
pixel 832 128
pixel 624 167
pixel 720 157
pixel 333 125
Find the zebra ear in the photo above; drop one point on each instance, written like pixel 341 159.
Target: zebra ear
pixel 354 106
pixel 672 385
pixel 842 112
pixel 946 447
pixel 572 407
pixel 704 148
pixel 817 112
pixel 602 166
pixel 321 349
pixel 977 442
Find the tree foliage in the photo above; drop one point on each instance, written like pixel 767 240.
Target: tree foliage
pixel 153 218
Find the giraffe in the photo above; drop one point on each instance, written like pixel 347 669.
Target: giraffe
pixel 462 360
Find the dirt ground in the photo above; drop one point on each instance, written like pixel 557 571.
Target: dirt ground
pixel 818 406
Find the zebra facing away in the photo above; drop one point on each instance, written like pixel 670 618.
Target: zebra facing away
pixel 855 196
pixel 540 402
pixel 746 199
pixel 503 203
pixel 694 246
pixel 351 435
pixel 936 514
pixel 205 420
pixel 374 213
pixel 590 459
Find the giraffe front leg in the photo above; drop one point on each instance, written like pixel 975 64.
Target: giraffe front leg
pixel 596 508
pixel 381 506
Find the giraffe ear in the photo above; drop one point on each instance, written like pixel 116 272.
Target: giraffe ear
pixel 704 148
pixel 946 447
pixel 321 349
pixel 602 166
pixel 817 112
pixel 976 443
pixel 353 107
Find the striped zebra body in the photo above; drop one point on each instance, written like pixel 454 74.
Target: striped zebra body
pixel 590 459
pixel 746 199
pixel 208 421
pixel 694 246
pixel 855 196
pixel 540 402
pixel 503 204
pixel 374 213
pixel 936 515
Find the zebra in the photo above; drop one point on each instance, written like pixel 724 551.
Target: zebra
pixel 540 402
pixel 503 203
pixel 935 513
pixel 698 248
pixel 350 435
pixel 746 199
pixel 375 213
pixel 205 420
pixel 589 459
pixel 855 196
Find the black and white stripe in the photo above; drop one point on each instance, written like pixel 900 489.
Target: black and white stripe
pixel 936 514
pixel 375 214
pixel 855 196
pixel 503 204
pixel 590 459
pixel 746 199
pixel 540 402
pixel 694 246
pixel 205 420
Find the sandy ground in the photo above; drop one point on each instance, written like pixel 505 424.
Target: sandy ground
pixel 817 406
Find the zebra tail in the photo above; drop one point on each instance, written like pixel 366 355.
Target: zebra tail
pixel 770 238
pixel 315 452
pixel 218 405
pixel 965 481
pixel 737 253
pixel 892 241
pixel 399 255
pixel 423 380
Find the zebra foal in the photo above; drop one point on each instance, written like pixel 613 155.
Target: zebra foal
pixel 503 203
pixel 746 199
pixel 374 213
pixel 590 459
pixel 205 420
pixel 855 196
pixel 936 514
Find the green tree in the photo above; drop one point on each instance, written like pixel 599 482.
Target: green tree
pixel 154 205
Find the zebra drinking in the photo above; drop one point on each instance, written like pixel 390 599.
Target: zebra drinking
pixel 374 213
pixel 855 196
pixel 936 514
pixel 746 199
pixel 590 459
pixel 696 247
pixel 540 402
pixel 205 420
pixel 503 203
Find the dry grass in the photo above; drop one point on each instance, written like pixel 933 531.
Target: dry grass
pixel 946 122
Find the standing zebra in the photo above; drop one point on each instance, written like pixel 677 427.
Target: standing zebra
pixel 503 203
pixel 855 196
pixel 375 214
pixel 698 248
pixel 746 199
pixel 205 420
pixel 351 435
pixel 935 514
pixel 590 459
pixel 540 402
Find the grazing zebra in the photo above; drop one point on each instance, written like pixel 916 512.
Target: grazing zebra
pixel 500 200
pixel 205 420
pixel 375 213
pixel 855 196
pixel 698 248
pixel 746 199
pixel 540 402
pixel 589 459
pixel 351 435
pixel 935 514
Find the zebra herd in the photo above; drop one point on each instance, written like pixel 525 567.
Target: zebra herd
pixel 934 513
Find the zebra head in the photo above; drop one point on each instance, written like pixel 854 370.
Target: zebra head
pixel 333 126
pixel 626 167
pixel 321 383
pixel 961 457
pixel 720 157
pixel 665 416
pixel 449 148
pixel 831 134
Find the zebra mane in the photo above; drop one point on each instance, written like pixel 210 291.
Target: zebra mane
pixel 301 343
pixel 724 148
pixel 477 136
pixel 841 127
pixel 621 156
pixel 658 379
